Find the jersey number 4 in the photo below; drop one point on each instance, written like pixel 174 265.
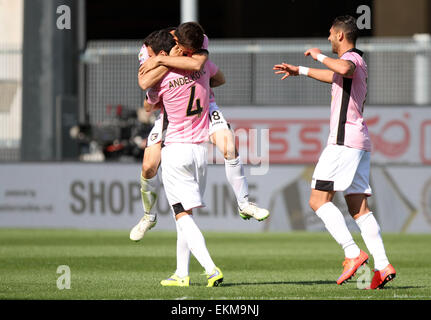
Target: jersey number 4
pixel 191 110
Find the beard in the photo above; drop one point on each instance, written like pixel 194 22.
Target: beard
pixel 334 47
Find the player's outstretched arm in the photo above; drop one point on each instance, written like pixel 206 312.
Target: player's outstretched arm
pixel 343 67
pixel 323 75
pixel 288 70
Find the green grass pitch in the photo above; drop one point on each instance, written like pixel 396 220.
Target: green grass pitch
pixel 256 266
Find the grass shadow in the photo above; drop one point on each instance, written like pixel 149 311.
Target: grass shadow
pixel 303 283
pixel 310 283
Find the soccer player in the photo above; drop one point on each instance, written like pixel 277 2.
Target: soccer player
pixel 192 41
pixel 185 98
pixel 344 164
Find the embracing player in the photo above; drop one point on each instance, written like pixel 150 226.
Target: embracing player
pixel 191 41
pixel 344 164
pixel 185 98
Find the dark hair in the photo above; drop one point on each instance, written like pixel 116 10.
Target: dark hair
pixel 160 40
pixel 169 29
pixel 150 37
pixel 190 35
pixel 348 25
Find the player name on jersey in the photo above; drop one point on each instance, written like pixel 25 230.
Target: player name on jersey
pixel 178 82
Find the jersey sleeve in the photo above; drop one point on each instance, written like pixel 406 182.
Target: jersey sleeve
pixel 143 54
pixel 206 42
pixel 153 96
pixel 350 56
pixel 353 58
pixel 212 68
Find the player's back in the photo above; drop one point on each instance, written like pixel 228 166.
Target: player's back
pixel 185 96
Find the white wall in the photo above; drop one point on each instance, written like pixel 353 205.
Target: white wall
pixel 11 21
pixel 11 39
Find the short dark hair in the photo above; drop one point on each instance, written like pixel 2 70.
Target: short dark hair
pixel 190 35
pixel 160 40
pixel 170 29
pixel 348 25
pixel 150 37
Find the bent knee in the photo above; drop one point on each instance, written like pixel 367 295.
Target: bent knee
pixel 149 170
pixel 319 198
pixel 314 204
pixel 226 144
pixel 230 153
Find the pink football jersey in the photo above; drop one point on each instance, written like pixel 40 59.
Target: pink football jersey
pixel 205 46
pixel 185 97
pixel 206 42
pixel 347 125
pixel 143 55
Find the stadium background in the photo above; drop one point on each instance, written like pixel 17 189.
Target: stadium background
pixel 53 80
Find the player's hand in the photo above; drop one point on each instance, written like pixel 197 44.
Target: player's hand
pixel 313 52
pixel 176 51
pixel 149 64
pixel 141 70
pixel 286 69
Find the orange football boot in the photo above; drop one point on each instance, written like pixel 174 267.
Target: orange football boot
pixel 351 265
pixel 381 277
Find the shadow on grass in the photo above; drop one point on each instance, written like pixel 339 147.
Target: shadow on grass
pixel 310 283
pixel 303 283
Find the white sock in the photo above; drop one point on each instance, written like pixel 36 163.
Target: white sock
pixel 183 254
pixel 370 231
pixel 196 242
pixel 336 226
pixel 148 193
pixel 235 176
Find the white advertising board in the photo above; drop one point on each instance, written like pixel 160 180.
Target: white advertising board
pixel 106 196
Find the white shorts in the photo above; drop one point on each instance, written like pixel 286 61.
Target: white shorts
pixel 184 175
pixel 155 135
pixel 341 168
pixel 217 120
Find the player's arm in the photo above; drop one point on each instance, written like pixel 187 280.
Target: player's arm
pixel 217 80
pixel 177 61
pixel 150 107
pixel 153 100
pixel 289 70
pixel 343 67
pixel 155 68
pixel 194 63
pixel 149 79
